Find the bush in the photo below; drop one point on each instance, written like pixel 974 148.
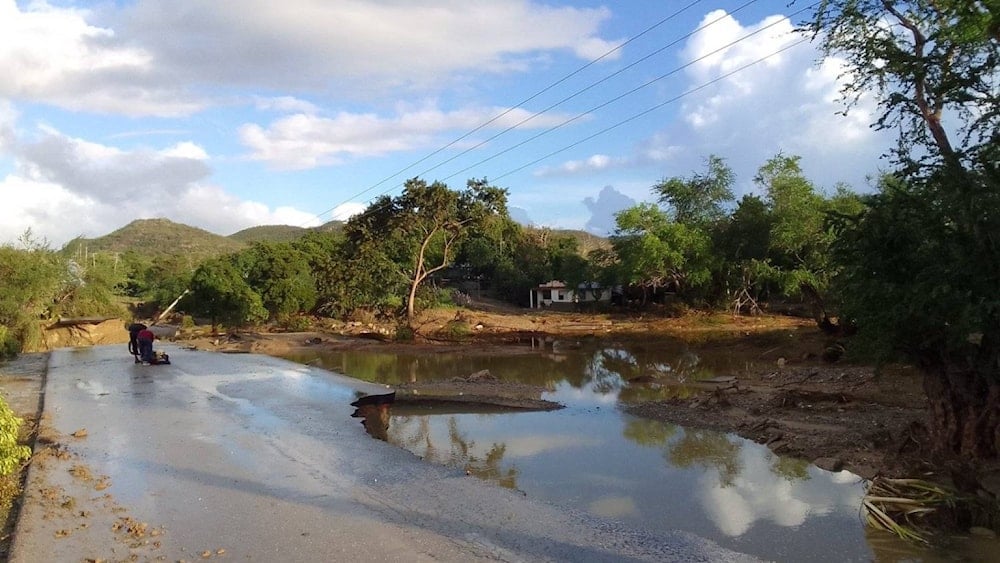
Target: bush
pixel 457 329
pixel 11 453
pixel 9 346
pixel 187 321
pixel 296 323
pixel 404 334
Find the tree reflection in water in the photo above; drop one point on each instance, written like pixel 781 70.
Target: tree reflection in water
pixel 415 434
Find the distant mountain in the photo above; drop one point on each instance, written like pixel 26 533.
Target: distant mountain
pixel 269 233
pixel 585 241
pixel 157 238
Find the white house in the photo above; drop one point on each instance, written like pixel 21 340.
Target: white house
pixel 555 293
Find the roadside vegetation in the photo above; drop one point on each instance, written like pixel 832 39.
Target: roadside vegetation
pixel 912 268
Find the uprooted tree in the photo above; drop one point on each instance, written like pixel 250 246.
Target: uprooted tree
pixel 922 263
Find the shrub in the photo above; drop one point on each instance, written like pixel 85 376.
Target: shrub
pixel 296 323
pixel 9 346
pixel 187 321
pixel 457 329
pixel 404 334
pixel 11 453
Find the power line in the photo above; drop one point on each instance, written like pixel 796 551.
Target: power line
pixel 623 95
pixel 581 91
pixel 652 109
pixel 524 101
pixel 617 98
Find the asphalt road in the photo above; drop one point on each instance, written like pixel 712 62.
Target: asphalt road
pixel 251 458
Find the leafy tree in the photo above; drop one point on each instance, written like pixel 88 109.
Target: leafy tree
pixel 701 198
pixel 742 243
pixel 281 275
pixel 219 292
pixel 922 263
pixel 654 252
pixel 408 238
pixel 31 278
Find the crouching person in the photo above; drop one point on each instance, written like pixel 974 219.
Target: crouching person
pixel 145 340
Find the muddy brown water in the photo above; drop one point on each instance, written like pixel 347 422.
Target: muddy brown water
pixel 592 456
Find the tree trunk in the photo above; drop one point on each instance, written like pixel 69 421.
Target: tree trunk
pixel 964 413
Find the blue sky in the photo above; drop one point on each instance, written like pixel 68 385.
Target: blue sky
pixel 234 113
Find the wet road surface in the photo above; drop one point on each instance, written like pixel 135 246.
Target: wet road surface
pixel 247 457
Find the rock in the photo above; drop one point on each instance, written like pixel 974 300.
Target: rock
pixel 829 463
pixel 482 375
pixel 781 362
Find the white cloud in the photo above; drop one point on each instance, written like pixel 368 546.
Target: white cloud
pixel 345 211
pixel 785 103
pixel 592 164
pixel 285 104
pixel 54 55
pixel 354 44
pixel 302 140
pixel 160 57
pixel 65 187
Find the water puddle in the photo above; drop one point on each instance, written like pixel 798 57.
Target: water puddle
pixel 593 457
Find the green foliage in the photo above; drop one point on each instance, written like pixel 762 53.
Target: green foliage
pixel 296 323
pixel 270 233
pixel 654 252
pixel 9 346
pixel 219 292
pixel 404 333
pixel 37 283
pixel 921 266
pixel 11 452
pixel 397 243
pixel 701 198
pixel 457 329
pixel 280 274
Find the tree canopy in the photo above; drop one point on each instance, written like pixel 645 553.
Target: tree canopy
pixel 921 264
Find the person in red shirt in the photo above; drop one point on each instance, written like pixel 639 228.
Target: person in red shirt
pixel 145 339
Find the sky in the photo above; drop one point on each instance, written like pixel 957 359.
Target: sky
pixel 229 114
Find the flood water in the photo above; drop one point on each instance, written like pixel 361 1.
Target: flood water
pixel 593 457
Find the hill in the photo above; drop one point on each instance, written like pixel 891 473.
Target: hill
pixel 269 233
pixel 586 242
pixel 157 238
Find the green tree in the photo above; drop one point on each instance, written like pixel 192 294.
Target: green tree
pixel 281 275
pixel 921 265
pixel 219 292
pixel 701 198
pixel 31 278
pixel 654 252
pixel 408 238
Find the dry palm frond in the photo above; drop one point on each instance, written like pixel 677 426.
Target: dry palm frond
pixel 902 506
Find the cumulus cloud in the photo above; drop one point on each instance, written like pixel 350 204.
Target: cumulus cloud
pixel 345 211
pixel 160 57
pixel 784 103
pixel 64 187
pixel 603 209
pixel 54 55
pixel 759 493
pixel 318 44
pixel 303 140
